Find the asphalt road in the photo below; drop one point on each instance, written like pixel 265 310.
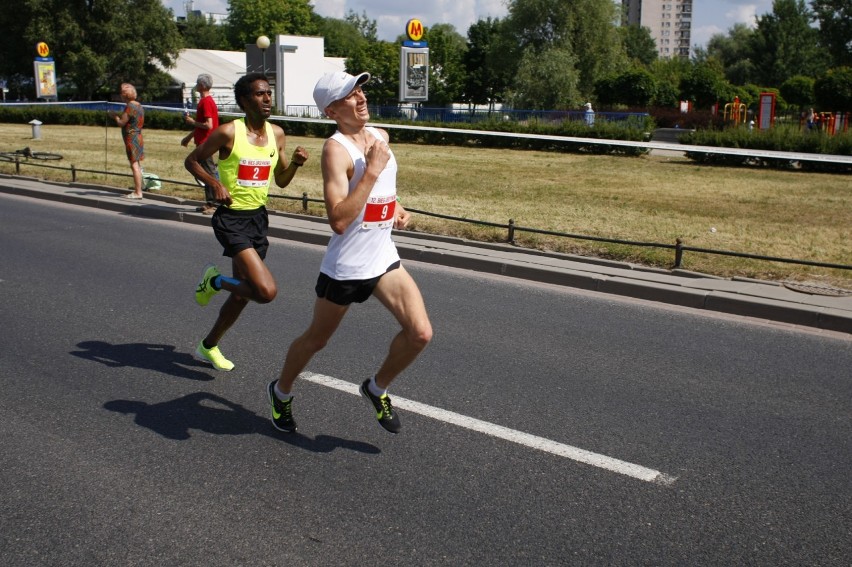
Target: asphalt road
pixel 119 449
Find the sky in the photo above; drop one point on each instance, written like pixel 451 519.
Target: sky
pixel 709 16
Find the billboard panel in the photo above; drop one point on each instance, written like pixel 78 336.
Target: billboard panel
pixel 414 74
pixel 45 79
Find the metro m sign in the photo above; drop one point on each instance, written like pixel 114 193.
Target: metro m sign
pixel 414 29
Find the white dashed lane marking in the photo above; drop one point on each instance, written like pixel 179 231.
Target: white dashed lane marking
pixel 533 441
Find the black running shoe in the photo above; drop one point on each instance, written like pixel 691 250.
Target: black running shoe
pixel 385 413
pixel 282 412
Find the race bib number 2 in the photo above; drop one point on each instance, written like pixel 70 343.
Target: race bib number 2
pixel 253 172
pixel 379 212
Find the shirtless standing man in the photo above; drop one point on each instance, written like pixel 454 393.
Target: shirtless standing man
pixel 359 187
pixel 251 155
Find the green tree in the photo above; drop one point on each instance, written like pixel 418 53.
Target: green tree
pixel 835 29
pixel 668 74
pixel 248 19
pixel 484 83
pixel 446 68
pixel 734 51
pixel 341 37
pixel 381 60
pixel 667 94
pixel 96 45
pixel 785 44
pixel 347 36
pixel 639 46
pixel 704 84
pixel 547 80
pixel 798 91
pixel 365 26
pixel 203 33
pixel 634 88
pixel 833 91
pixel 367 53
pixel 581 31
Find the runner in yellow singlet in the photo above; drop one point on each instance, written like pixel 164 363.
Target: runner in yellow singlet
pixel 250 158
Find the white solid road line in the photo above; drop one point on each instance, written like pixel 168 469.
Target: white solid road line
pixel 533 441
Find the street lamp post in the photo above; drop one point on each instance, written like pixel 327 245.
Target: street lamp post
pixel 262 43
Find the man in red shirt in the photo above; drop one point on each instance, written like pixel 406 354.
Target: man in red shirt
pixel 206 120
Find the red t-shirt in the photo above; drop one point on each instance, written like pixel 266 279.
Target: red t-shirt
pixel 206 109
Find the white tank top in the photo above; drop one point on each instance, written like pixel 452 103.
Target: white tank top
pixel 365 249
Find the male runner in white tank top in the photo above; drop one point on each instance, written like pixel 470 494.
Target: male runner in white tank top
pixel 359 186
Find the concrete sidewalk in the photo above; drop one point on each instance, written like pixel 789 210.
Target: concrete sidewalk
pixel 824 308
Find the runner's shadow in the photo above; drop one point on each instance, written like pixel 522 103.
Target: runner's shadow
pixel 213 414
pixel 161 358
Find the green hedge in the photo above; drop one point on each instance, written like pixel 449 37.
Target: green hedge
pixel 635 131
pixel 158 119
pixel 165 120
pixel 785 138
pixel 574 129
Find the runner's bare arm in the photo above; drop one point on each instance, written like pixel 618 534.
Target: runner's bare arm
pixel 343 206
pixel 284 172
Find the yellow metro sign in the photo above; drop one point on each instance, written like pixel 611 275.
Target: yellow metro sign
pixel 414 29
pixel 42 49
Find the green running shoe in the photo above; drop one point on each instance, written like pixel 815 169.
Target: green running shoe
pixel 214 356
pixel 387 417
pixel 204 291
pixel 282 412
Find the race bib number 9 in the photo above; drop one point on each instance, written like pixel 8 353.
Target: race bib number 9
pixel 253 173
pixel 379 212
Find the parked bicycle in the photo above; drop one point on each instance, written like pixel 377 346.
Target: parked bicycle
pixel 27 153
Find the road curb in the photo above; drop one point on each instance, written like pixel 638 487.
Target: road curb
pixel 740 296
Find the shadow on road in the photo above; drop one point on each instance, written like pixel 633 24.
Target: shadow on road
pixel 213 414
pixel 161 358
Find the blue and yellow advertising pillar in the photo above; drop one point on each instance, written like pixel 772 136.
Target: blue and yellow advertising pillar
pixel 45 72
pixel 414 64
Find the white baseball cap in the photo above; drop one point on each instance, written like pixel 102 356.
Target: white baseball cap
pixel 335 86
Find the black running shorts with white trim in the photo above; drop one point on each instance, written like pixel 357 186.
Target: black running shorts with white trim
pixel 239 230
pixel 347 292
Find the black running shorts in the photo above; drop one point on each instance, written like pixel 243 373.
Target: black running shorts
pixel 347 292
pixel 239 230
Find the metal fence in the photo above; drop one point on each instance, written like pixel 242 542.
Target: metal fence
pixel 511 228
pixel 459 115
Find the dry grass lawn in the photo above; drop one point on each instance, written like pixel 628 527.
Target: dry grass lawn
pixel 784 214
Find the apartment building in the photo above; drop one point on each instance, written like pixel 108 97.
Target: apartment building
pixel 670 22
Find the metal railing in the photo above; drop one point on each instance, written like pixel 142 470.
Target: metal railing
pixel 511 228
pixel 474 115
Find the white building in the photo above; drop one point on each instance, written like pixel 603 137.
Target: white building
pixel 188 8
pixel 670 22
pixel 299 60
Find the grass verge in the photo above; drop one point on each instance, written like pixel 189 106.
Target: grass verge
pixel 787 214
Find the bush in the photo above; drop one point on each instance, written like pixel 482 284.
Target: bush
pixel 165 120
pixel 779 138
pixel 674 118
pixel 159 119
pixel 833 91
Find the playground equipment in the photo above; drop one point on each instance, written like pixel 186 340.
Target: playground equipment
pixel 735 112
pixel 830 123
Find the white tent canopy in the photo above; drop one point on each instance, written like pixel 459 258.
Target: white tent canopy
pixel 305 63
pixel 224 66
